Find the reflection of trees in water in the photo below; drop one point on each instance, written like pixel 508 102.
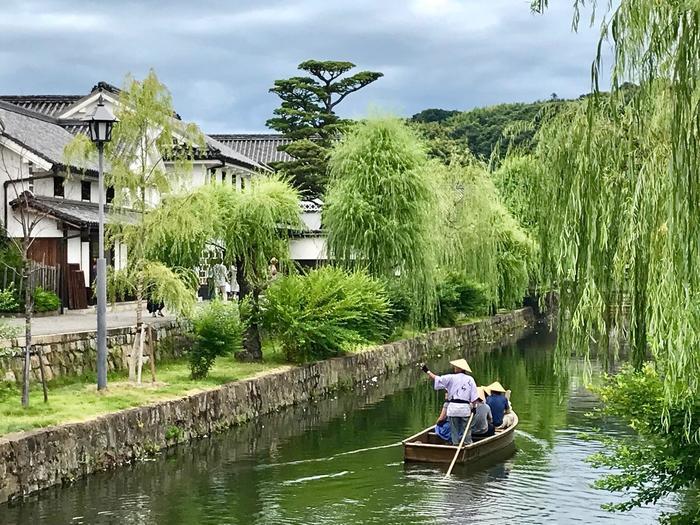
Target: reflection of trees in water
pixel 225 477
pixel 206 472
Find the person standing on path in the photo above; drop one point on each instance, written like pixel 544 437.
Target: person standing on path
pixel 219 274
pixel 461 393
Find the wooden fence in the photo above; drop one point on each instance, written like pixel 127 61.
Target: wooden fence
pixel 40 275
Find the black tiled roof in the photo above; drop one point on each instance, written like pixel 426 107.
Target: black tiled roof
pixel 223 151
pixel 54 105
pixel 76 213
pixel 50 105
pixel 261 147
pixel 39 134
pixel 76 127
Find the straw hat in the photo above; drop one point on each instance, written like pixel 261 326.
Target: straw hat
pixel 461 364
pixel 496 387
pixel 481 392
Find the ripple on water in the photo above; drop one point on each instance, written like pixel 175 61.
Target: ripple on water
pixel 337 461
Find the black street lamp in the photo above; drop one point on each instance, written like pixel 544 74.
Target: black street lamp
pixel 100 124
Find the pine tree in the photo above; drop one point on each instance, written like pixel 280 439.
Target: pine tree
pixel 307 115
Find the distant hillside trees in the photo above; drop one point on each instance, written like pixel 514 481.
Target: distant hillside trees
pixel 434 115
pixel 481 130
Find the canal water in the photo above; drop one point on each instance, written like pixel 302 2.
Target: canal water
pixel 336 461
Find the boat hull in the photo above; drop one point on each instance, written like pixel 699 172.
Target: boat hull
pixel 426 447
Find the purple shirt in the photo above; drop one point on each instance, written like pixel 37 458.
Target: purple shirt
pixel 458 386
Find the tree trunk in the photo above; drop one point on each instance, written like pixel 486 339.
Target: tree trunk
pixel 28 314
pixel 152 352
pixel 252 345
pixel 139 355
pixel 42 374
pixel 133 359
pixel 28 309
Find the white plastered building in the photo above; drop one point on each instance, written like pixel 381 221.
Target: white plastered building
pixel 62 209
pixel 34 131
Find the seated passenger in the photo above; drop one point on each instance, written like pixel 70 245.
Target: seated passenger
pixel 509 416
pixel 498 402
pixel 482 424
pixel 442 425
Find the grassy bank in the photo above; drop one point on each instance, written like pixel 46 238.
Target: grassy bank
pixel 75 399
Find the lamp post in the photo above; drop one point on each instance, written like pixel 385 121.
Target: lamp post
pixel 100 124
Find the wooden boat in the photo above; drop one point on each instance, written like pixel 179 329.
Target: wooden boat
pixel 427 447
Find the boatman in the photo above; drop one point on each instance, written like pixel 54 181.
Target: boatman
pixel 461 393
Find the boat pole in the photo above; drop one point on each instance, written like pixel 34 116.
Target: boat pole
pixel 459 448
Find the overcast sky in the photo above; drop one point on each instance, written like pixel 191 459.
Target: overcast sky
pixel 220 57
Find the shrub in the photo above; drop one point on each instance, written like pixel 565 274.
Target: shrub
pixel 218 331
pixel 399 301
pixel 8 299
pixel 661 456
pixel 8 331
pixel 10 256
pixel 323 313
pixel 45 301
pixel 459 295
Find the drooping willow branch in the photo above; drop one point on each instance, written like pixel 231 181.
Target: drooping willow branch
pixel 622 201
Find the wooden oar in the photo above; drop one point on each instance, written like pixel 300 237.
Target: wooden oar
pixel 459 448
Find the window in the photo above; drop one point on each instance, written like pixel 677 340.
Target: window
pixel 85 187
pixel 223 177
pixel 110 194
pixel 58 186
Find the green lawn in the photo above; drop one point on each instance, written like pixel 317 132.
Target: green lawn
pixel 76 399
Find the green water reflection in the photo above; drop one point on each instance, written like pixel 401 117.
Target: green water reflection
pixel 304 465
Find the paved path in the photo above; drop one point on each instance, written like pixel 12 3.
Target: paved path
pixel 81 321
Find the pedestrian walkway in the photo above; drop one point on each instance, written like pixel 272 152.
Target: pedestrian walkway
pixel 82 321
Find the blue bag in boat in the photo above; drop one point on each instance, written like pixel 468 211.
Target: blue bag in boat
pixel 442 429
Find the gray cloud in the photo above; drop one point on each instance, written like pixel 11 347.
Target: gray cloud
pixel 219 58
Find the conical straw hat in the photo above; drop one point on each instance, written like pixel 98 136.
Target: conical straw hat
pixel 481 392
pixel 461 364
pixel 496 387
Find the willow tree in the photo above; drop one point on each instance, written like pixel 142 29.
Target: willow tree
pixel 250 226
pixel 651 193
pixel 479 237
pixel 146 137
pixel 380 208
pixel 622 216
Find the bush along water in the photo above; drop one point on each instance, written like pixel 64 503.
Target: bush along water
pixel 326 312
pixel 460 296
pixel 218 330
pixel 662 457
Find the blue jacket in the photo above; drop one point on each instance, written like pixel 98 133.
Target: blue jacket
pixel 499 405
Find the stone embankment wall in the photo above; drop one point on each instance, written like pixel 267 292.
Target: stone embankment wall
pixel 76 353
pixel 38 459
